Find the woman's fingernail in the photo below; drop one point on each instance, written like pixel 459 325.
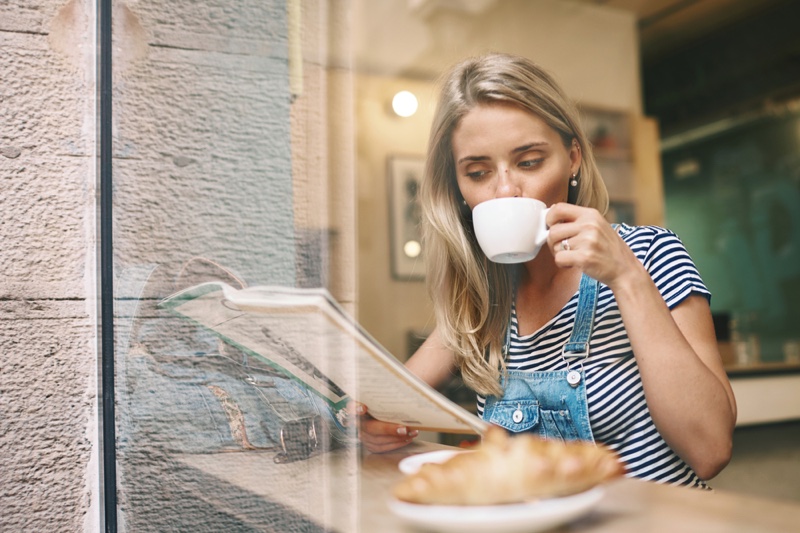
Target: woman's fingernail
pixel 360 409
pixel 413 433
pixel 402 431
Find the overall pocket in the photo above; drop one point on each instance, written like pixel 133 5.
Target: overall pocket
pixel 542 403
pixel 515 415
pixel 558 424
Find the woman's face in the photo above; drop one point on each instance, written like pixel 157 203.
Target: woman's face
pixel 501 150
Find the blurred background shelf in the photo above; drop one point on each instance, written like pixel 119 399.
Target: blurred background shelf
pixel 761 368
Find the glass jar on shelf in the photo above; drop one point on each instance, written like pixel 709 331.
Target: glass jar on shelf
pixel 791 351
pixel 745 338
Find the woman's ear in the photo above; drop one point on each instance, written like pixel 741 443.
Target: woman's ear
pixel 575 157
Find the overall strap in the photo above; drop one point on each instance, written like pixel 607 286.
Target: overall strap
pixel 578 344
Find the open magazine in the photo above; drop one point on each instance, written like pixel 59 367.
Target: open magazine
pixel 305 334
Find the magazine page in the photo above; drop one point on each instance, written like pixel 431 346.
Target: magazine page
pixel 307 335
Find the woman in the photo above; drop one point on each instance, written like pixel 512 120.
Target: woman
pixel 651 384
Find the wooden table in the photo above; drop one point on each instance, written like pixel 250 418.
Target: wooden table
pixel 347 491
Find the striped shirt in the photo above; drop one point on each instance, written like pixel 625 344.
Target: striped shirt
pixel 618 412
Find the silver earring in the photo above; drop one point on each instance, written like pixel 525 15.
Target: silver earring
pixel 574 181
pixel 464 203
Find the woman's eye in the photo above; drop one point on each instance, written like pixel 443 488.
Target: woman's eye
pixel 531 162
pixel 476 174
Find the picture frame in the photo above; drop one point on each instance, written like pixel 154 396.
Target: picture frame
pixel 406 251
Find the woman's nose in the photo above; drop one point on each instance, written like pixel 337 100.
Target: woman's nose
pixel 507 185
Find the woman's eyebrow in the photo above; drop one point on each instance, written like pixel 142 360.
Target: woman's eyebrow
pixel 473 158
pixel 527 147
pixel 519 149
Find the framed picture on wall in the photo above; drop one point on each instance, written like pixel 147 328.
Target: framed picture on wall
pixel 405 176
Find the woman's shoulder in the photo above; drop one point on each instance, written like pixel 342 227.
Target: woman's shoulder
pixel 642 232
pixel 646 240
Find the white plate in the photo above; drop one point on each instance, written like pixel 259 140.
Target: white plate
pixel 511 518
pixel 411 464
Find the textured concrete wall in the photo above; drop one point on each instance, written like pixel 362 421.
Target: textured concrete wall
pixel 203 143
pixel 215 157
pixel 202 167
pixel 47 338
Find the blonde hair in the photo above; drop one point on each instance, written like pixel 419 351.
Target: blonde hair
pixel 472 296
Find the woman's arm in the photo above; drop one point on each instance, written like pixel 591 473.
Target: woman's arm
pixel 434 364
pixel 686 387
pixel 687 390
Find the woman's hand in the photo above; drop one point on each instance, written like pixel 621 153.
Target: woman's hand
pixel 581 237
pixel 378 436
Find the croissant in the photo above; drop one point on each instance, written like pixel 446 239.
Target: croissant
pixel 505 469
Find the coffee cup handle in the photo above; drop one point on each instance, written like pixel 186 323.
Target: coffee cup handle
pixel 545 229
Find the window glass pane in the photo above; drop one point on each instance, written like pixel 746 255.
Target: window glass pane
pixel 213 124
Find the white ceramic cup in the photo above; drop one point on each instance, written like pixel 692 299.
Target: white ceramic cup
pixel 510 230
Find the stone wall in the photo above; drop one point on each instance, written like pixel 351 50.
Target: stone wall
pixel 47 308
pixel 206 129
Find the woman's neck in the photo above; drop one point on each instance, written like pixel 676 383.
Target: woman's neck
pixel 543 290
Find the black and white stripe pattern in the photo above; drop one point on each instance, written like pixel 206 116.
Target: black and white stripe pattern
pixel 618 411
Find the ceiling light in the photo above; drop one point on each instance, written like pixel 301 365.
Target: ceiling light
pixel 404 104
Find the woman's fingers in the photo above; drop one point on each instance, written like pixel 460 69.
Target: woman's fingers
pixel 378 436
pixel 561 213
pixel 581 237
pixel 583 231
pixel 377 427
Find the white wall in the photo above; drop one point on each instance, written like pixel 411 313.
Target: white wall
pixel 388 307
pixel 593 50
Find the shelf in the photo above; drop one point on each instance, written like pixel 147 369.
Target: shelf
pixel 764 398
pixel 618 159
pixel 762 369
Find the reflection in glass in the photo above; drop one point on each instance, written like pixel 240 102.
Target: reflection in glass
pixel 208 188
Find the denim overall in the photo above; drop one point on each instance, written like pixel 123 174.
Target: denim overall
pixel 551 404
